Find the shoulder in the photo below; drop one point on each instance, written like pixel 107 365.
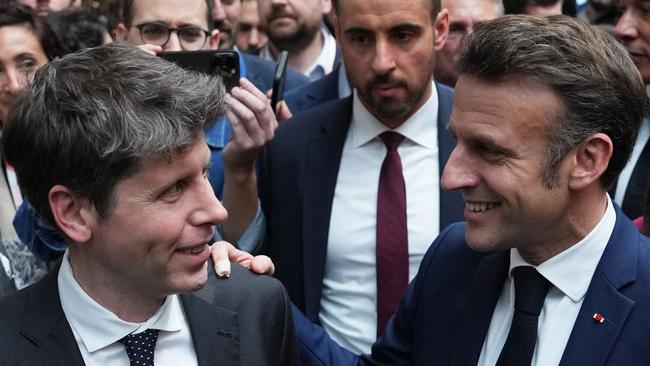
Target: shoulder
pixel 243 289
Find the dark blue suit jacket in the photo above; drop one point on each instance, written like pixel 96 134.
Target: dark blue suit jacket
pixel 298 175
pixel 446 311
pixel 314 93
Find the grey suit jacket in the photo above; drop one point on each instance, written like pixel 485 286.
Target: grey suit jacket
pixel 245 320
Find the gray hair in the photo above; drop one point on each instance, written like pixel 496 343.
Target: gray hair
pixel 90 119
pixel 601 88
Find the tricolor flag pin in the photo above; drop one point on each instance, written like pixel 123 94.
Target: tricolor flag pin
pixel 599 318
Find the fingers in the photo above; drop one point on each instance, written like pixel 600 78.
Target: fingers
pixel 151 49
pixel 252 114
pixel 219 253
pixel 283 113
pixel 263 265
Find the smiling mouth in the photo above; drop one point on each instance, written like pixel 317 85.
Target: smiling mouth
pixel 194 250
pixel 480 206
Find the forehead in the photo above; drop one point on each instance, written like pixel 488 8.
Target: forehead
pixel 516 107
pixel 19 39
pixel 383 14
pixel 171 11
pixel 474 10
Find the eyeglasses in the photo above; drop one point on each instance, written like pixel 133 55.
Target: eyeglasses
pixel 191 38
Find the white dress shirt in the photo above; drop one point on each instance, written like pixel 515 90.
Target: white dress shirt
pixel 323 64
pixel 348 303
pixel 98 331
pixel 626 173
pixel 570 274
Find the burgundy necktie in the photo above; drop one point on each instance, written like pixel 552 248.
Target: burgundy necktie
pixel 392 238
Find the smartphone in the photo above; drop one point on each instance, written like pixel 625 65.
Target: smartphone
pixel 223 63
pixel 278 80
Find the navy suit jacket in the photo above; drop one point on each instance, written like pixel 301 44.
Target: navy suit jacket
pixel 260 72
pixel 298 175
pixel 445 313
pixel 314 93
pixel 228 325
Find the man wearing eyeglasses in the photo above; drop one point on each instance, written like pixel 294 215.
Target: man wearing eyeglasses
pixel 185 25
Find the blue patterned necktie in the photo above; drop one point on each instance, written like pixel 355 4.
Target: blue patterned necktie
pixel 139 347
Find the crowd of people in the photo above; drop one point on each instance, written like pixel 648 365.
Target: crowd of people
pixel 445 182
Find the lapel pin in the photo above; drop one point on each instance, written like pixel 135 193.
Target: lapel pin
pixel 599 318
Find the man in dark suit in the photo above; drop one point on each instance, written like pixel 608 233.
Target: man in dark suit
pixel 117 161
pixel 631 187
pixel 320 175
pixel 547 270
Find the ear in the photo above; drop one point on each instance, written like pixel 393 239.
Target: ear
pixel 327 6
pixel 591 160
pixel 441 27
pixel 73 215
pixel 213 41
pixel 121 32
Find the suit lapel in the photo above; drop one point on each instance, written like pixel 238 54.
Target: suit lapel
pixel 45 325
pixel 477 314
pixel 322 165
pixel 451 203
pixel 215 331
pixel 591 342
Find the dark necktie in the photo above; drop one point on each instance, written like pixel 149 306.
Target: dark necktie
pixel 635 194
pixel 392 238
pixel 140 347
pixel 530 292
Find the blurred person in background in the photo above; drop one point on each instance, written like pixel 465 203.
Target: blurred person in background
pixel 463 17
pixel 43 7
pixel 78 29
pixel 250 37
pixel 26 43
pixel 297 26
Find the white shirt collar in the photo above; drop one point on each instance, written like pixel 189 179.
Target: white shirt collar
pixel 571 270
pixel 98 327
pixel 325 61
pixel 417 128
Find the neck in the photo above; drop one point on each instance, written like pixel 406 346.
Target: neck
pixel 582 216
pixel 111 293
pixel 302 58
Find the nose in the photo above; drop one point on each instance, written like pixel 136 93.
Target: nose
pixel 209 211
pixel 173 43
pixel 459 172
pixel 218 14
pixel 254 38
pixel 627 28
pixel 13 80
pixel 384 60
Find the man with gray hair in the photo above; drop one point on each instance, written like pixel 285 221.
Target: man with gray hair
pixel 108 146
pixel 547 270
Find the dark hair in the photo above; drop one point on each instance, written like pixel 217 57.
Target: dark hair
pixel 77 29
pixel 18 14
pixel 519 6
pixel 127 13
pixel 435 5
pixel 601 88
pixel 89 120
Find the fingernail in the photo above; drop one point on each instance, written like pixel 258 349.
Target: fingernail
pixel 222 267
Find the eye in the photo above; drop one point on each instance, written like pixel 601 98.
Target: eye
pixel 191 33
pixel 245 27
pixel 172 193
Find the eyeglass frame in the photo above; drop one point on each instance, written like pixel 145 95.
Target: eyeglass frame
pixel 169 33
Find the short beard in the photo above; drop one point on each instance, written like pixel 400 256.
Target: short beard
pixel 297 41
pixel 385 108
